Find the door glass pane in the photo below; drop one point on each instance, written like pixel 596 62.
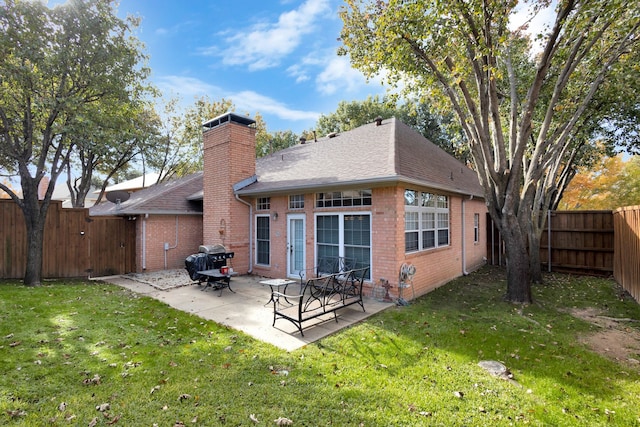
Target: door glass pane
pixel 298 244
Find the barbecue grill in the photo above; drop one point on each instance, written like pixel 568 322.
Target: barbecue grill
pixel 209 257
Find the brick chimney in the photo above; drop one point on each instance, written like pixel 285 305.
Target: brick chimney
pixel 229 157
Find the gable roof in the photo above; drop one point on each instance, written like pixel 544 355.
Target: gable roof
pixel 168 198
pixel 368 156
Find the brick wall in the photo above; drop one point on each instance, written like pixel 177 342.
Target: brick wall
pixel 229 157
pixel 183 233
pixel 433 267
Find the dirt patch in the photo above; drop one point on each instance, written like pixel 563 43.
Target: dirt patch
pixel 615 339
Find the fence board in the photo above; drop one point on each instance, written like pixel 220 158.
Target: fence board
pixel 68 240
pixel 626 269
pixel 577 241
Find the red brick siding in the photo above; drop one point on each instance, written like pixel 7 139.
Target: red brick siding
pixel 229 157
pixel 159 229
pixel 433 267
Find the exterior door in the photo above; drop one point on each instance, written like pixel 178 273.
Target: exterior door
pixel 295 244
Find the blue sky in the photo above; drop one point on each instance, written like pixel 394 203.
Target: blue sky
pixel 277 58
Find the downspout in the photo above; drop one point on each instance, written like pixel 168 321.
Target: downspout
pixel 464 246
pixel 144 241
pixel 250 232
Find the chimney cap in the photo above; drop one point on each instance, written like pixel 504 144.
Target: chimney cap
pixel 228 117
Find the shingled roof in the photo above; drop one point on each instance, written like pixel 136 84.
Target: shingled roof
pixel 168 198
pixel 368 156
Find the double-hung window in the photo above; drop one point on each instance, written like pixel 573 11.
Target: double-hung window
pixel 426 220
pixel 263 240
pixel 345 235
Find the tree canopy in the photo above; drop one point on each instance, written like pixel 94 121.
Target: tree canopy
pixel 525 113
pixel 58 67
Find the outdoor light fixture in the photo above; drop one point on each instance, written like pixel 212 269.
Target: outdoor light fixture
pixel 274 216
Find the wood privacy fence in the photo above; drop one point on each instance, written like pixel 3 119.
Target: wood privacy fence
pixel 627 249
pixel 572 241
pixel 75 245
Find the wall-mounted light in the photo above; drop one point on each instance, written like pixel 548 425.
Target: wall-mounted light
pixel 274 216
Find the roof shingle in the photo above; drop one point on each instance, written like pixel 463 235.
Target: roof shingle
pixel 369 155
pixel 165 198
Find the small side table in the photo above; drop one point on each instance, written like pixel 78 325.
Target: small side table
pixel 275 285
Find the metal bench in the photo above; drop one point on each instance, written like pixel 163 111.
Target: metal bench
pixel 319 296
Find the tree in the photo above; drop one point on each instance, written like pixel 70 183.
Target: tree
pixel 611 183
pixel 112 135
pixel 519 111
pixel 272 142
pixel 55 65
pixel 178 145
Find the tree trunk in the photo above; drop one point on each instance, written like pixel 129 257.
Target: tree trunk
pixel 518 271
pixel 34 221
pixel 534 258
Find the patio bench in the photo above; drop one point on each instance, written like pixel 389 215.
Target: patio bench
pixel 320 296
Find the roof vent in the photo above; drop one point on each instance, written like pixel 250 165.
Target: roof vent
pixel 303 140
pixel 378 120
pixel 332 134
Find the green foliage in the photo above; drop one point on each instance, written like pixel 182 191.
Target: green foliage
pixel 89 344
pixel 60 68
pixel 526 115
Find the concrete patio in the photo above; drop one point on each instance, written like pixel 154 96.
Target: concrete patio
pixel 245 310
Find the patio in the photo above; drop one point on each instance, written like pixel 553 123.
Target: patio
pixel 245 310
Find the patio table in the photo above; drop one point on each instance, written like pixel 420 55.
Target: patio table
pixel 275 285
pixel 217 280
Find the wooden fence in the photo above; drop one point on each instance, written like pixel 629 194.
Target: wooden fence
pixel 627 249
pixel 572 241
pixel 75 245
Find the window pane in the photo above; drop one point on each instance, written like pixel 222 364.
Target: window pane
pixel 411 221
pixel 428 220
pixel 410 198
pixel 357 230
pixel 443 220
pixel 428 239
pixel 327 229
pixel 443 237
pixel 262 240
pixel 428 200
pixel 411 241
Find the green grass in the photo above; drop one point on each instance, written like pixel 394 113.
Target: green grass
pixel 87 344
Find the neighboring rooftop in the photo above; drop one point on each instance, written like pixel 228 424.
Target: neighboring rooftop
pixel 135 184
pixel 169 197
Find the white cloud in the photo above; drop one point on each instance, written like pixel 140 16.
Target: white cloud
pixel 338 75
pixel 185 86
pixel 252 101
pixel 265 44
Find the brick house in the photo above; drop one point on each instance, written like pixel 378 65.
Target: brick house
pixel 168 222
pixel 381 195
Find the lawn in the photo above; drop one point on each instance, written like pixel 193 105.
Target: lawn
pixel 76 353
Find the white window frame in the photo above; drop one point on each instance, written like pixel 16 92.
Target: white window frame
pixel 341 244
pixel 425 213
pixel 476 228
pixel 268 219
